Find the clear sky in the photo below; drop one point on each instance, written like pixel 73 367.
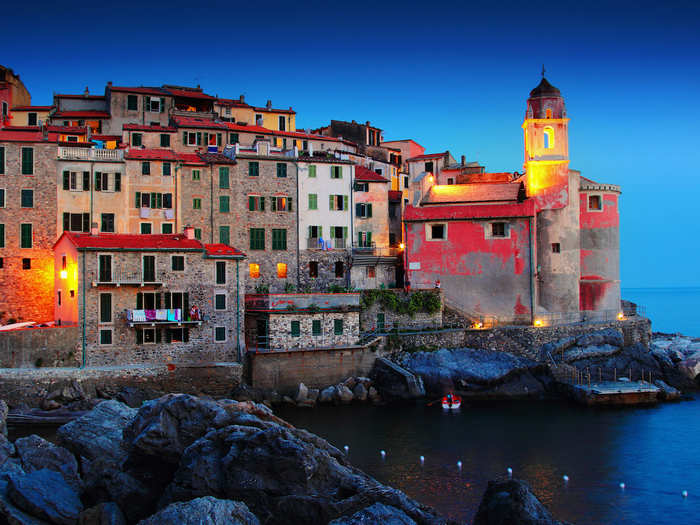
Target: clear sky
pixel 450 76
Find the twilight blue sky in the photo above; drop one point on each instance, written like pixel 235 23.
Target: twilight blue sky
pixel 451 76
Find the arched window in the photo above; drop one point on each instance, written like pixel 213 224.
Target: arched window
pixel 549 113
pixel 548 138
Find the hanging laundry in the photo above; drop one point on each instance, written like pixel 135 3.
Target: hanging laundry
pixel 150 315
pixel 139 316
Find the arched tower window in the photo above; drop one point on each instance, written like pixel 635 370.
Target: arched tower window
pixel 548 138
pixel 548 113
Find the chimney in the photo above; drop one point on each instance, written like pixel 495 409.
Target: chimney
pixel 268 105
pixel 109 84
pixel 241 99
pixel 93 229
pixel 189 232
pixel 463 160
pixel 87 91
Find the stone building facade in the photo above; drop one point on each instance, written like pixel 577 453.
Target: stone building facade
pixel 108 283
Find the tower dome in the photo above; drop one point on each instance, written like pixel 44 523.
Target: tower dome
pixel 545 89
pixel 545 102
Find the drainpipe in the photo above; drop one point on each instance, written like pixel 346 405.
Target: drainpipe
pixel 175 201
pixel 532 276
pixel 238 315
pixel 296 165
pixel 211 204
pixel 92 189
pixel 84 309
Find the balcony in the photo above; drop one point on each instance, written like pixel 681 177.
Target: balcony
pixel 309 302
pixel 104 155
pixel 314 243
pixel 119 278
pixel 373 250
pixel 160 317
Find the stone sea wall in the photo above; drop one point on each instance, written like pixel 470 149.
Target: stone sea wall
pixel 55 346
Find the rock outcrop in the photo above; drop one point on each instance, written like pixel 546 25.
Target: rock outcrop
pixel 394 381
pixel 203 511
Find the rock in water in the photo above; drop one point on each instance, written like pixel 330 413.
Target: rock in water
pixel 360 392
pixel 301 393
pixel 327 395
pixel 376 513
pixel 45 494
pixel 102 514
pixel 98 434
pixel 343 393
pixel 36 453
pixel 509 502
pixel 203 511
pixel 3 417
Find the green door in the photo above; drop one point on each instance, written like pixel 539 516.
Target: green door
pixel 380 322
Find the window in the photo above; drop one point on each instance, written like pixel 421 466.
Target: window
pixel 499 229
pixel 224 234
pixel 104 268
pixel 147 336
pixel 258 119
pixel 363 210
pixel 220 272
pixel 31 119
pixel 25 236
pixel 76 222
pixel 316 327
pixel 2 235
pixel 336 172
pixel 595 203
pixel 282 270
pixel 132 103
pixel 177 263
pixel 338 326
pixel 437 232
pixel 339 270
pixel 136 139
pixel 281 203
pixel 371 272
pixel 220 334
pixel 361 186
pixel 313 201
pixel 2 198
pixel 312 170
pixel 166 168
pixel 253 169
pixel 155 105
pixel 27 161
pixel 256 203
pixel 59 296
pixel 165 140
pixel 220 301
pixel 26 264
pixel 282 121
pixel 196 204
pixel 313 268
pixel 281 169
pixel 257 238
pixel 224 204
pixel 223 178
pixel 101 181
pixel 556 247
pixel 338 202
pixel 105 307
pixel 450 180
pixel 364 239
pixel 254 270
pixel 146 228
pixel 296 328
pixel 2 159
pixel 405 182
pixel 198 234
pixel 149 268
pixel 233 138
pixel 166 228
pixel 106 337
pixel 145 168
pixel 107 222
pixel 279 239
pixel 196 174
pixel 117 182
pixel 548 137
pixel 191 138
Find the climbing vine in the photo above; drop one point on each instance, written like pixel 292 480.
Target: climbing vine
pixel 420 301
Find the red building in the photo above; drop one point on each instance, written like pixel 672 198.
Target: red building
pixel 538 247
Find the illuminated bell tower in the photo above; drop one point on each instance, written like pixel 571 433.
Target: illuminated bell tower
pixel 555 191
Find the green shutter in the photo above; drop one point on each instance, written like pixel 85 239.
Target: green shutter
pixel 369 210
pixel 184 138
pixel 162 105
pixel 273 203
pixel 369 239
pixel 86 181
pixel 66 180
pixel 27 161
pixel 251 203
pixel 218 139
pixel 316 327
pixel 138 199
pixel 147 106
pixel 331 200
pixel 320 231
pixel 98 181
pixel 223 178
pixel 345 202
pixel 296 331
pixel 159 200
pixel 224 234
pixel 199 138
pixel 223 204
pixel 26 236
pixel 139 335
pixel 2 159
pixel 262 203
pixel 345 232
pixel 312 171
pixel 2 235
pixel 289 204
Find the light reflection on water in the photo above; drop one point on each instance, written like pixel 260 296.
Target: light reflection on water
pixel 655 451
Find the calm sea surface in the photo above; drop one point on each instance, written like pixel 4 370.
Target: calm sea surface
pixel 655 451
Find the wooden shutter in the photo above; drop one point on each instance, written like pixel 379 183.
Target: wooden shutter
pixel 206 138
pixel 262 203
pixel 369 239
pixel 157 294
pixel 148 104
pixel 199 138
pixel 117 181
pixel 138 199
pixel 158 336
pixel 139 301
pixel 331 199
pixel 273 203
pixel 369 210
pixel 186 306
pixel 184 138
pixel 218 139
pixel 320 231
pixel 167 299
pixel 86 181
pixel 162 104
pixel 358 210
pixel 139 335
pixel 66 222
pixel 98 181
pixel 159 200
pixel 66 180
pixel 86 222
pixel 345 232
pixel 289 204
pixel 345 202
pixel 251 203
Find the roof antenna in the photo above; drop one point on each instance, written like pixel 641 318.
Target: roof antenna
pixel 542 70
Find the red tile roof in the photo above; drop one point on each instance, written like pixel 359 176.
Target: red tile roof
pixel 141 89
pixel 273 110
pixel 467 193
pixel 32 108
pixel 186 93
pixel 86 97
pixel 35 135
pixel 124 241
pixel 222 250
pixel 81 114
pixel 466 211
pixel 191 159
pixel 151 154
pixel 292 134
pixel 428 156
pixel 107 137
pixel 395 196
pixel 363 174
pixel 232 103
pixel 73 130
pixel 216 158
pixel 195 122
pixel 141 127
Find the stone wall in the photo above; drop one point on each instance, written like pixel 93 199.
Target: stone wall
pixel 392 320
pixel 56 347
pixel 326 260
pixel 283 371
pixel 23 387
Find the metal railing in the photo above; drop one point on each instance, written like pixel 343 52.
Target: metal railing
pixel 373 249
pixel 119 277
pixel 316 243
pixel 71 153
pixel 301 301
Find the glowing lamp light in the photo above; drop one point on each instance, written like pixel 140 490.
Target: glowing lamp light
pixel 477 326
pixel 538 322
pixel 64 274
pixel 620 316
pixel 431 178
pixel 402 246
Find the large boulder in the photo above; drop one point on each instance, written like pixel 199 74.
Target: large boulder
pixel 512 502
pixel 36 453
pixel 301 393
pixel 359 392
pixel 376 513
pixel 9 513
pixel 98 434
pixel 46 495
pixel 203 511
pixel 102 514
pixel 327 395
pixel 395 381
pixel 3 417
pixel 343 393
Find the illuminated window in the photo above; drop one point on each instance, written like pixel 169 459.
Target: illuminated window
pixel 548 138
pixel 371 272
pixel 549 113
pixel 595 203
pixel 254 270
pixel 282 270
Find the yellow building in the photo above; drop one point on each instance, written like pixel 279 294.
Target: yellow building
pixel 30 115
pixel 239 112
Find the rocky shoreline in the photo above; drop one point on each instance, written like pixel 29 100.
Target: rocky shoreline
pixel 180 459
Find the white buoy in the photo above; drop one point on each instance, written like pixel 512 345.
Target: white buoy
pixel 459 465
pixel 422 460
pixel 347 449
pixel 383 453
pixel 566 478
pixel 622 486
pixel 684 493
pixel 510 471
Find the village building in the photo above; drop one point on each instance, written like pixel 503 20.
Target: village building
pixel 13 93
pixel 542 247
pixel 80 110
pixel 30 115
pixel 149 298
pixel 237 111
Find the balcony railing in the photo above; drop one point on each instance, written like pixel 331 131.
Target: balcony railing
pixel 121 278
pixel 109 155
pixel 301 301
pixel 374 250
pixel 314 243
